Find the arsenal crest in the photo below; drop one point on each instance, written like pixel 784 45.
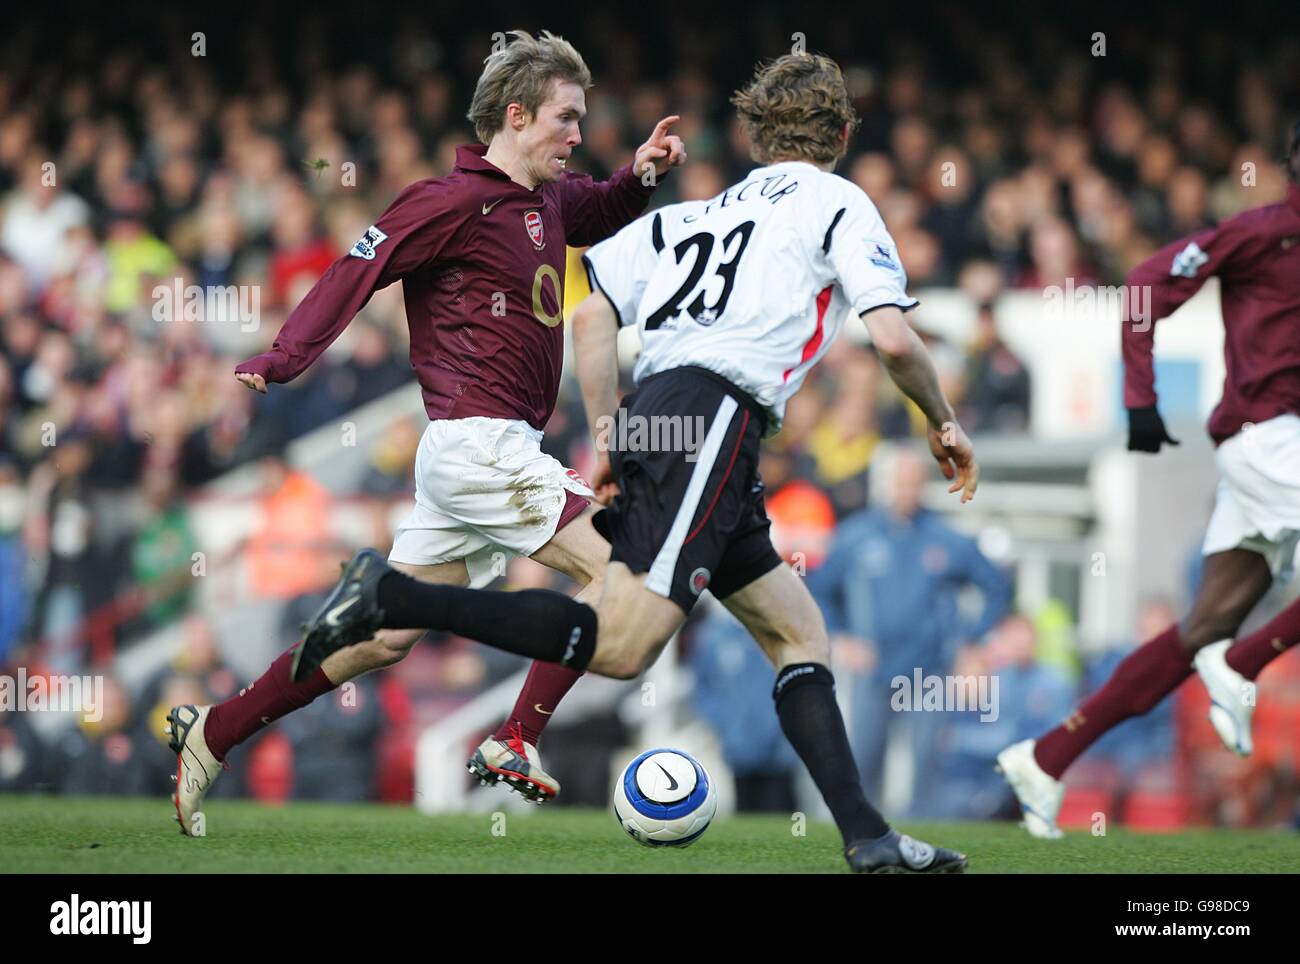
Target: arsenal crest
pixel 533 222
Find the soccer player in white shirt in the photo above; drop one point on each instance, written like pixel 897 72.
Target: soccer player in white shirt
pixel 735 300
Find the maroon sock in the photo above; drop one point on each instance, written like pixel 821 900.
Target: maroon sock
pixel 1142 679
pixel 545 687
pixel 263 701
pixel 1252 653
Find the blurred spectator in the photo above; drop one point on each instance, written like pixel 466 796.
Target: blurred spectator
pixel 237 434
pixel 701 181
pixel 59 532
pixel 285 555
pixel 995 397
pixel 889 590
pixel 8 411
pixel 114 755
pixel 199 661
pixel 1055 258
pixel 803 522
pixel 843 441
pixel 162 556
pixel 334 741
pixel 951 184
pixel 311 400
pixel 1030 696
pixel 137 262
pixel 301 254
pixel 27 763
pixel 37 217
pixel 373 370
pixel 392 460
pixel 1000 229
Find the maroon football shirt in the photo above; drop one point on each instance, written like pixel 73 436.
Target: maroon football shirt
pixel 481 260
pixel 1256 256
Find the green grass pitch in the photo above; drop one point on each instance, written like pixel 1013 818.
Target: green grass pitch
pixel 115 835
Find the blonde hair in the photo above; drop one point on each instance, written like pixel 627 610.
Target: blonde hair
pixel 795 108
pixel 521 73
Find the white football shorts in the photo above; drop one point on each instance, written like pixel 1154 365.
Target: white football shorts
pixel 1257 505
pixel 485 492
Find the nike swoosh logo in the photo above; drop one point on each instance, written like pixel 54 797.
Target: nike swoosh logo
pixel 669 776
pixel 487 208
pixel 538 708
pixel 332 617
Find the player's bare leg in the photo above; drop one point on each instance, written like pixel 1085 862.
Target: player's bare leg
pixel 201 736
pixel 783 618
pixel 635 625
pixel 509 755
pixel 1232 669
pixel 1231 584
pixel 1228 593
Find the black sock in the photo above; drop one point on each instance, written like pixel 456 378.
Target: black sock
pixel 810 717
pixel 536 623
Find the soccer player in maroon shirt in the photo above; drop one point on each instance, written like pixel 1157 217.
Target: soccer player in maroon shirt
pixel 481 257
pixel 685 518
pixel 1253 532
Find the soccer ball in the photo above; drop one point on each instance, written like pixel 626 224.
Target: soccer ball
pixel 664 799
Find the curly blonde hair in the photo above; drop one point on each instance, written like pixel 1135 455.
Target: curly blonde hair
pixel 795 108
pixel 521 73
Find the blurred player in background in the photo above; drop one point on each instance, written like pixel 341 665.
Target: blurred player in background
pixel 735 299
pixel 1252 535
pixel 481 255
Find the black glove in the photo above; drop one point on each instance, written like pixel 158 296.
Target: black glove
pixel 1146 430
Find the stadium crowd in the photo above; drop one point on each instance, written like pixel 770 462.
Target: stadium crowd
pixel 137 152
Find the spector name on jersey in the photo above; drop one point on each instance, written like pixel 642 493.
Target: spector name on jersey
pixel 773 187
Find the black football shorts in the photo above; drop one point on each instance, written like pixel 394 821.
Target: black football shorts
pixel 684 449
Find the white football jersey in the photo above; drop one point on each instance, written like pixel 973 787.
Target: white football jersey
pixel 754 284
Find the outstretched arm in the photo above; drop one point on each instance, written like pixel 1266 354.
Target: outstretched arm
pixel 410 233
pixel 909 365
